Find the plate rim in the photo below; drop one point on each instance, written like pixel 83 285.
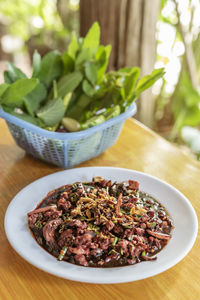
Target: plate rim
pixel 81 279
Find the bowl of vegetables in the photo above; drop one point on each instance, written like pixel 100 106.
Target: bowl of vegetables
pixel 71 109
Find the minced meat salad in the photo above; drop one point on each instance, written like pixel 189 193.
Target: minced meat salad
pixel 101 224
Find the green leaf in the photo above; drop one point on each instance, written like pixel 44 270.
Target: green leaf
pixel 130 81
pixel 68 63
pixel 36 64
pixel 192 116
pixel 51 67
pixel 7 77
pixel 14 94
pixel 14 72
pixel 148 80
pixel 73 47
pixel 82 57
pixel 3 87
pixel 189 96
pixel 91 40
pixel 66 100
pixel 52 112
pixel 102 57
pixel 77 109
pixel 33 100
pixel 163 3
pixel 23 116
pixel 91 72
pixel 28 118
pixel 88 88
pixel 126 70
pixel 7 109
pixel 69 83
pixel 192 99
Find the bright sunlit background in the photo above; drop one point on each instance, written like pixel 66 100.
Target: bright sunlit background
pixel 46 24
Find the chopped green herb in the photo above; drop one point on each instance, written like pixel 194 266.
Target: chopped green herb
pixel 38 224
pixel 115 241
pixel 127 226
pixel 113 250
pixel 153 224
pixel 62 253
pixel 94 228
pixel 138 217
pixel 62 228
pixel 143 253
pixel 65 216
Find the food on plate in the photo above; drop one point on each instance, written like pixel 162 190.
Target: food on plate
pixel 101 224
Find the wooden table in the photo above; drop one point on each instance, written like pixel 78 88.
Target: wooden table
pixel 137 148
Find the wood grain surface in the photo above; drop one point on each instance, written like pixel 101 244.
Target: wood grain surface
pixel 137 148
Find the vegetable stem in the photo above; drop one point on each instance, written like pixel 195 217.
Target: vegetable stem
pixel 62 253
pixel 115 241
pixel 55 90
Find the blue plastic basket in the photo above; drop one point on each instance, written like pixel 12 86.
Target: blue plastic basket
pixel 66 149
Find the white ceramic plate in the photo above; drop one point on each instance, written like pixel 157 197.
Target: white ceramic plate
pixel 179 207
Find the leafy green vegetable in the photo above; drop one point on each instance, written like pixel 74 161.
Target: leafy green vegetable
pixel 68 63
pixel 14 72
pixel 91 41
pixel 148 80
pixel 130 81
pixel 68 83
pixel 36 64
pixel 51 67
pixel 52 112
pixel 83 56
pixel 102 57
pixel 3 87
pixel 66 100
pixel 88 88
pixel 74 86
pixel 23 116
pixel 91 72
pixel 15 93
pixel 73 47
pixel 7 78
pixel 76 110
pixel 33 100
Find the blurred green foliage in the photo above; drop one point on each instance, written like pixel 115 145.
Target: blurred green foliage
pixel 19 16
pixel 37 22
pixel 184 101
